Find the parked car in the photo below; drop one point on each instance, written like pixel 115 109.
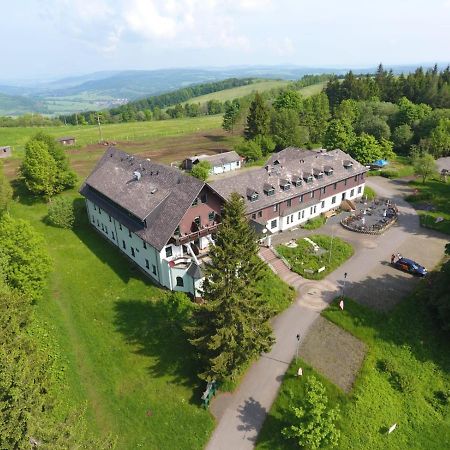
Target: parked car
pixel 410 266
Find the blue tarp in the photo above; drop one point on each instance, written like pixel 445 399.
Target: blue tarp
pixel 381 163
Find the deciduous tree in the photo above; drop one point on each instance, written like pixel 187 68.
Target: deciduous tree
pixel 258 118
pixel 365 149
pixel 201 170
pixel 424 165
pixel 5 191
pixel 339 134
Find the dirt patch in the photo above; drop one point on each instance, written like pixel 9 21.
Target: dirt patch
pixel 333 352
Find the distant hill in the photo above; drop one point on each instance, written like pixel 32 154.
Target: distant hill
pixel 106 89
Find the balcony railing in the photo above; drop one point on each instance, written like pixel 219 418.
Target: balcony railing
pixel 192 236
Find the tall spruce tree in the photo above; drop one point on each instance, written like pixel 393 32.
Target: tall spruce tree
pixel 258 118
pixel 232 327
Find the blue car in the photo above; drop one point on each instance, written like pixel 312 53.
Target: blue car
pixel 410 266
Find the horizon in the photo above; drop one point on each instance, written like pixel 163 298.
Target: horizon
pixel 60 38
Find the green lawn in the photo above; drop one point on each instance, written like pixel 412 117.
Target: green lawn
pixel 303 256
pixel 122 349
pixel 133 131
pixel 315 222
pixel 405 379
pixel 435 194
pixel 398 168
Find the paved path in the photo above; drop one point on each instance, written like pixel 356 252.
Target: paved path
pixel 240 415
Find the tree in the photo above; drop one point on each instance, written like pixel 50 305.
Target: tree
pixel 232 327
pixel 286 130
pixel 339 134
pixel 61 213
pixel 257 119
pixel 288 99
pixel 312 425
pixel 347 110
pixel 266 144
pixel 402 136
pixel 440 139
pixel 5 192
pixel 26 261
pixel 231 115
pixel 250 149
pixel 39 170
pixel 201 170
pixel 387 149
pixel 365 149
pixel 214 107
pixel 424 165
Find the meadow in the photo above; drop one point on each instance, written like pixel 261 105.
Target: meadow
pixel 405 379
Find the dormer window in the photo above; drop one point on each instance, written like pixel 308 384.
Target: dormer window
pixel 318 173
pixel 348 164
pixel 297 182
pixel 269 189
pixel 276 162
pixel 285 185
pixel 328 170
pixel 309 178
pixel 252 195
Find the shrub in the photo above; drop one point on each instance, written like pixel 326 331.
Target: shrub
pixel 60 213
pixel 201 170
pixel 314 223
pixel 369 193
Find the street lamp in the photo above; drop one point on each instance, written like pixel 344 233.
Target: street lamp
pixel 331 244
pixel 343 286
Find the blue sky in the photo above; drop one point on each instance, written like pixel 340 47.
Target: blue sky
pixel 43 38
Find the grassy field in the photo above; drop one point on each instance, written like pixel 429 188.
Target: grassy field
pixel 400 167
pixel 303 256
pixel 405 379
pixel 432 200
pixel 260 86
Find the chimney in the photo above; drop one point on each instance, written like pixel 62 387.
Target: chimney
pixel 137 175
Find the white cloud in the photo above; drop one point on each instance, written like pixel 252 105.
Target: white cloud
pixel 281 47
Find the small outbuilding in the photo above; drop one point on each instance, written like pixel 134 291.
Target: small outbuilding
pixel 66 140
pixel 5 151
pixel 220 163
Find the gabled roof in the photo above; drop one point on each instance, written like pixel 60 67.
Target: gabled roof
pixel 160 197
pixel 218 159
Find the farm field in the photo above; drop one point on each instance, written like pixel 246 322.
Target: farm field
pixel 404 379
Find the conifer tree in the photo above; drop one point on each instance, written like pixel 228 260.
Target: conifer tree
pixel 232 327
pixel 258 118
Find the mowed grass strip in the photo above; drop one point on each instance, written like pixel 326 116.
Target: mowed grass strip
pixel 405 379
pixel 125 353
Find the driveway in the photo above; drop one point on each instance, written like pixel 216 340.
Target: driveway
pixel 370 280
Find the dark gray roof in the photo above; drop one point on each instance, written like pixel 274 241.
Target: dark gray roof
pixel 218 159
pixel 195 271
pixel 293 163
pixel 160 197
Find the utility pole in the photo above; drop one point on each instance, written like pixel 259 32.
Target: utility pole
pixel 331 244
pixel 343 286
pixel 99 128
pixel 298 345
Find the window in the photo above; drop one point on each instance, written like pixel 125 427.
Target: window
pixel 180 282
pixel 177 231
pixel 129 233
pixel 204 197
pixel 312 194
pixel 132 252
pixel 112 235
pixel 254 197
pixel 270 191
pixel 147 264
pixel 359 189
pixel 211 216
pixel 299 215
pixel 345 182
pixel 323 205
pixel 273 224
pixel 333 199
pixel 168 251
pixel 288 202
pixel 100 211
pixel 292 218
pixel 259 213
pixel 286 186
pixel 154 269
pixel 254 216
pixel 98 224
pixel 335 186
pixel 95 208
pixel 109 218
pixel 123 245
pixel 323 190
pixel 275 207
pixel 93 219
pixel 352 192
pixel 103 228
pixel 195 202
pixel 106 229
pixel 120 226
pixel 198 221
pixel 144 244
pixel 288 220
pixel 356 177
pixel 300 198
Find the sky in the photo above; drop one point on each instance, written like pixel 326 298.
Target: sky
pixel 52 38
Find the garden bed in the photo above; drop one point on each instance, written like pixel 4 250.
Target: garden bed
pixel 308 263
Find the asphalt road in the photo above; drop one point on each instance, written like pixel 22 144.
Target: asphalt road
pixel 370 280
